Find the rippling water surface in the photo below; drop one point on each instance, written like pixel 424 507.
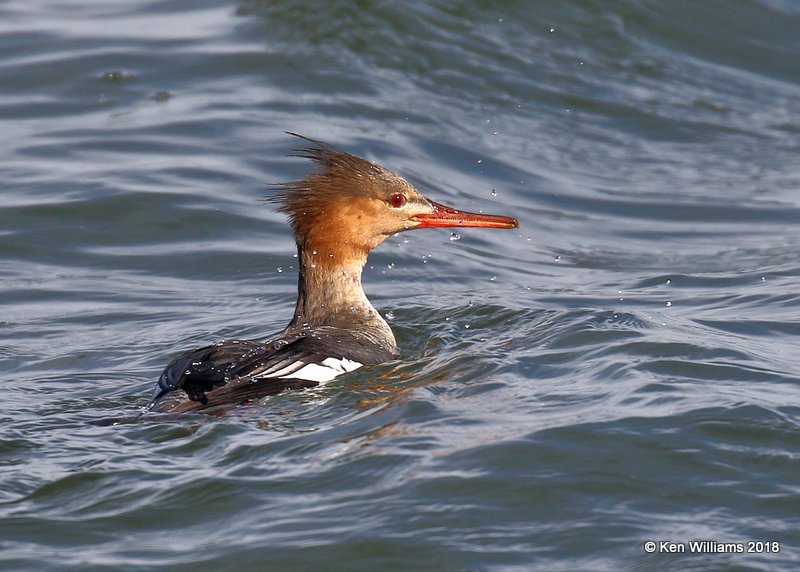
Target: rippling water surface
pixel 622 368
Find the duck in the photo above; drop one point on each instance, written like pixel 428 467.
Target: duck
pixel 343 209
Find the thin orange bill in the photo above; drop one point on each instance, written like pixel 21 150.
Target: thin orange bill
pixel 443 216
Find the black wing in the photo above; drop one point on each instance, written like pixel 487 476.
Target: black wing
pixel 232 372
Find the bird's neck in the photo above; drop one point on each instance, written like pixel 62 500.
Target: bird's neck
pixel 329 293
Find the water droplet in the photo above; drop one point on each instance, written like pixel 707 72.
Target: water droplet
pixel 454 236
pixel 763 278
pixel 479 161
pixel 278 344
pixel 470 304
pixel 389 315
pixel 669 280
pixel 466 326
pixel 552 29
pixel 669 304
pixel 460 222
pixel 493 278
pixel 116 75
pixel 390 265
pixel 494 192
pixel 313 265
pixel 280 269
pixel 557 259
pixel 529 239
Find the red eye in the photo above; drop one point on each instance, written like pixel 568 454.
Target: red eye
pixel 397 200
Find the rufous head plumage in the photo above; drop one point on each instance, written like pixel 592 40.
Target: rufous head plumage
pixel 349 205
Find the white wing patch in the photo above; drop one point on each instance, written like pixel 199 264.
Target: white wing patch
pixel 329 368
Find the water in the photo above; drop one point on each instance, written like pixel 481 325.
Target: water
pixel 622 368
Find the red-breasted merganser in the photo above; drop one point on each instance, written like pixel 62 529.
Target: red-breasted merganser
pixel 347 207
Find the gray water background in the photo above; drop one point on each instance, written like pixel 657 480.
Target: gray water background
pixel 622 368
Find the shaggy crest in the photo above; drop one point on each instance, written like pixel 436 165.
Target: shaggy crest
pixel 339 176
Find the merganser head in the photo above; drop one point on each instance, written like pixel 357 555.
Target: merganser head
pixel 348 206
